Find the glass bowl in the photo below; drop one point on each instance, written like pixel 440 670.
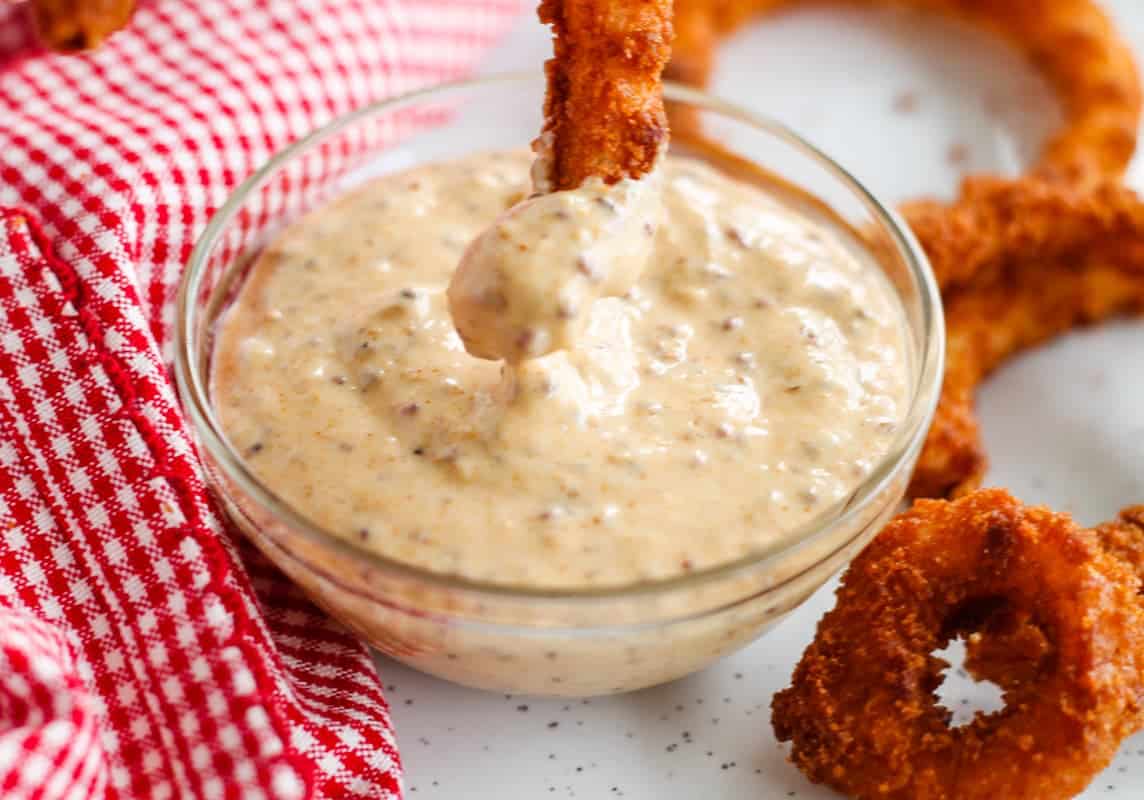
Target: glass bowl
pixel 508 638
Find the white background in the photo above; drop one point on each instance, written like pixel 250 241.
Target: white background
pixel 1064 425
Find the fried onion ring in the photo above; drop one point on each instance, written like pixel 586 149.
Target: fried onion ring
pixel 862 714
pixel 74 25
pixel 1124 538
pixel 1045 259
pixel 1072 43
pixel 603 113
pixel 1013 650
pixel 997 221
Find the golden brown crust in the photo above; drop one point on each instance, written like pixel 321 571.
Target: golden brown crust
pixel 1072 43
pixel 861 712
pixel 604 113
pixel 995 222
pixel 1014 650
pixel 73 25
pixel 1023 261
pixel 1124 538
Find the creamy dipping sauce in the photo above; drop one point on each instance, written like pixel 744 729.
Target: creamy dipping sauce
pixel 526 286
pixel 749 379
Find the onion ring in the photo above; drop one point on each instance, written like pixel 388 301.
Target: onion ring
pixel 997 221
pixel 862 714
pixel 73 25
pixel 1072 43
pixel 1124 538
pixel 603 112
pixel 1013 650
pixel 1045 259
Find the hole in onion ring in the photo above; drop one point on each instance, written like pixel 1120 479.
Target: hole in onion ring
pixel 963 696
pixel 990 648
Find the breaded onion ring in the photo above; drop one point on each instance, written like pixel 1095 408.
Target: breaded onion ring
pixel 862 714
pixel 1124 538
pixel 1014 649
pixel 1044 259
pixel 73 25
pixel 603 113
pixel 996 222
pixel 1072 43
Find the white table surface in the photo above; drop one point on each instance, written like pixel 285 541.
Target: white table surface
pixel 1064 425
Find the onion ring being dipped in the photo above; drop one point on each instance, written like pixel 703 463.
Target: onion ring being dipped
pixel 1072 43
pixel 603 113
pixel 1046 258
pixel 524 286
pixel 862 714
pixel 74 25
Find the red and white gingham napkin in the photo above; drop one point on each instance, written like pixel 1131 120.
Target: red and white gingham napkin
pixel 145 651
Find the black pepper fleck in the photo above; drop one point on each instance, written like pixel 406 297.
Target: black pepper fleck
pixel 587 270
pixel 736 236
pixel 906 102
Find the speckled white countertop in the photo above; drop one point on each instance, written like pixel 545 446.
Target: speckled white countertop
pixel 906 104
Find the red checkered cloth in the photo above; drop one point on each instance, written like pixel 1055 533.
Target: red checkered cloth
pixel 145 651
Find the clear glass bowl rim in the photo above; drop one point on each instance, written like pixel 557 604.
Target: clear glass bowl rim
pixel 192 385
